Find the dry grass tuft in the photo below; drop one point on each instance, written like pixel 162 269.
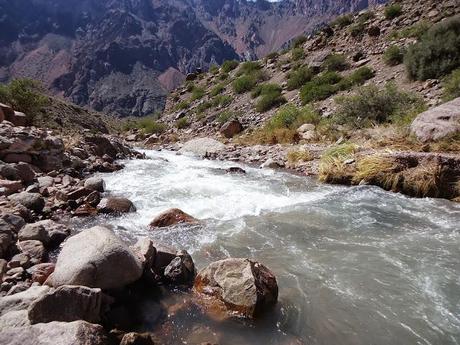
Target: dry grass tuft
pixel 377 169
pixel 302 155
pixel 423 181
pixel 332 166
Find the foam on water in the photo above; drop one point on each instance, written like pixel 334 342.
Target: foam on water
pixel 355 265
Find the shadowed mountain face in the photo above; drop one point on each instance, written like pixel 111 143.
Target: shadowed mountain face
pixel 121 56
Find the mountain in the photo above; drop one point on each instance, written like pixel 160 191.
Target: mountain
pixel 123 56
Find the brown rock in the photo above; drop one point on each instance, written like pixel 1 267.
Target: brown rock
pixel 171 217
pixel 7 111
pixel 35 249
pixel 231 128
pixel 133 338
pixel 17 157
pixel 18 119
pixel 41 272
pixel 10 187
pixel 115 205
pixel 85 210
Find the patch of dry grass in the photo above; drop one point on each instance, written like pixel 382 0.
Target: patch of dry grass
pixel 301 155
pixel 377 169
pixel 423 181
pixel 332 166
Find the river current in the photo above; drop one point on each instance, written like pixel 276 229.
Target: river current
pixel 355 265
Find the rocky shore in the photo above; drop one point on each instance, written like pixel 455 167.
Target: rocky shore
pixel 87 286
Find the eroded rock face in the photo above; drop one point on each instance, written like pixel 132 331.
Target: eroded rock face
pixel 237 286
pixel 172 217
pixel 67 303
pixel 96 258
pixel 56 333
pixel 438 123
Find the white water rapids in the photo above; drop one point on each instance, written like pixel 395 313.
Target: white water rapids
pixel 354 265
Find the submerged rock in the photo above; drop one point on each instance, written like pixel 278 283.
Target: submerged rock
pixel 171 217
pixel 237 286
pixel 96 258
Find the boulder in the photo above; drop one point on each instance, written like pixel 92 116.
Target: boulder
pixel 22 300
pixel 25 172
pixel 10 187
pixel 67 303
pixel 202 147
pixel 41 272
pixel 231 128
pixel 133 338
pixel 34 249
pixel 6 111
pixel 438 123
pixel 56 333
pixel 32 201
pixel 18 119
pixel 50 233
pixel 271 164
pixel 101 146
pixel 95 184
pixel 164 255
pixel 240 286
pixel 181 270
pixel 15 221
pixel 235 170
pixel 145 251
pixel 115 205
pixel 172 217
pixel 96 258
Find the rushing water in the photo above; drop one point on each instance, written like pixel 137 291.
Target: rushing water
pixel 354 265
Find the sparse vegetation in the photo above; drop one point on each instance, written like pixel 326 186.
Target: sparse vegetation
pixel 222 100
pixel 182 106
pixel 364 17
pixel 335 62
pixel 299 77
pixel 452 86
pixel 272 56
pixel 216 90
pixel 269 97
pixel 297 54
pixel 376 169
pixel 197 93
pixel 23 95
pixel 357 30
pixel 320 87
pixel 416 30
pixel 147 125
pixel 225 116
pixel 182 123
pixel 243 84
pixel 361 75
pixel 392 11
pixel 332 166
pixel 248 67
pixel 342 21
pixel 214 69
pixel 371 105
pixel 299 41
pixel 437 53
pixel 202 107
pixel 229 65
pixel 393 56
pixel 301 155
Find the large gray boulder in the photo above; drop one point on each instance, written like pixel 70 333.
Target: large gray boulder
pixel 202 146
pixel 21 300
pixel 55 333
pixel 67 303
pixel 438 123
pixel 237 286
pixel 95 183
pixel 96 258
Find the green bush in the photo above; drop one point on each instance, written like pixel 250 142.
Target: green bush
pixel 218 89
pixel 263 89
pixel 182 123
pixel 368 15
pixel 299 77
pixel 298 41
pixel 202 107
pixel 147 125
pixel 225 116
pixel 361 75
pixel 320 87
pixel 297 54
pixel 335 62
pixel 357 30
pixel 222 100
pixel 223 76
pixel 197 93
pixel 342 21
pixel 393 56
pixel 248 67
pixel 291 117
pixel 182 106
pixel 269 97
pixel 370 105
pixel 229 65
pixel 23 95
pixel 437 53
pixel 214 69
pixel 416 30
pixel 393 11
pixel 243 84
pixel 452 85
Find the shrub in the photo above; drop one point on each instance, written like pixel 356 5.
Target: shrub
pixel 342 21
pixel 437 53
pixel 335 62
pixel 361 75
pixel 223 76
pixel 214 69
pixel 297 54
pixel 393 56
pixel 299 77
pixel 263 89
pixel 452 85
pixel 182 123
pixel 393 11
pixel 202 107
pixel 225 116
pixel 269 101
pixel 248 67
pixel 371 105
pixel 416 30
pixel 320 87
pixel 243 84
pixel 23 95
pixel 229 65
pixel 217 89
pixel 376 169
pixel 368 15
pixel 292 117
pixel 272 56
pixel 148 125
pixel 197 93
pixel 298 41
pixel 182 106
pixel 222 100
pixel 357 30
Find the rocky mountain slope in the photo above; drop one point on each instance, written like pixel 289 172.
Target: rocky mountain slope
pixel 121 57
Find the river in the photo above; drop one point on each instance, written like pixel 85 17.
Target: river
pixel 355 265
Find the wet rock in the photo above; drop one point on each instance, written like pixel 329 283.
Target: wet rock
pixel 164 255
pixel 438 123
pixel 56 333
pixel 240 286
pixel 93 199
pixel 85 210
pixel 67 303
pixel 171 217
pixel 32 201
pixel 96 258
pixel 231 128
pixel 115 205
pixel 181 270
pixel 41 272
pixel 48 232
pixel 78 193
pixel 235 170
pixel 145 251
pixel 95 184
pixel 271 164
pixel 133 338
pixel 34 249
